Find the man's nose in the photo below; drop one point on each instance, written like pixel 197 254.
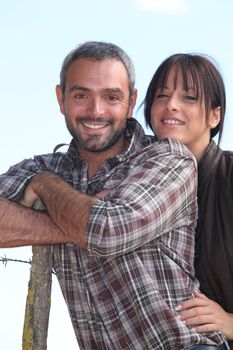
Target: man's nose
pixel 96 107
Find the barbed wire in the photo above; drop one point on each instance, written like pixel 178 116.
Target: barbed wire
pixel 5 260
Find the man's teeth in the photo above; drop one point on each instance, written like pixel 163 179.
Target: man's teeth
pixel 94 126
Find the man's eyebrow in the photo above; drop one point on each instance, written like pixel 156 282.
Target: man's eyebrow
pixel 115 90
pixel 78 87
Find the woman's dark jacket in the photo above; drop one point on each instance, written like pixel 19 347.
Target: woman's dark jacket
pixel 214 238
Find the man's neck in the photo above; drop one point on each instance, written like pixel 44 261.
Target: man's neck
pixel 96 159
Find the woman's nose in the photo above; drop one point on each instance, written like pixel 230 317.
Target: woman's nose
pixel 172 104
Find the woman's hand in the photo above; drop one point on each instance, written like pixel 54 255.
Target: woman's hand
pixel 205 315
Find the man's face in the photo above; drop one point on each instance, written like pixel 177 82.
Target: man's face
pixel 96 104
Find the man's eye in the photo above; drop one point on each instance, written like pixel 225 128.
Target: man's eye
pixel 112 98
pixel 80 96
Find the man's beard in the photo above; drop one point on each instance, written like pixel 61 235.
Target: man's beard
pixel 92 143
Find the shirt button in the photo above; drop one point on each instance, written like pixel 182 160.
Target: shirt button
pixel 102 296
pixel 91 265
pixel 115 325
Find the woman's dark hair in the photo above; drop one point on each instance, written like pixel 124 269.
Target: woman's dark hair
pixel 202 73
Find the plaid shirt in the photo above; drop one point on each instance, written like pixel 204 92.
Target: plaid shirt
pixel 122 290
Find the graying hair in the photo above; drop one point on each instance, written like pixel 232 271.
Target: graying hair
pixel 98 50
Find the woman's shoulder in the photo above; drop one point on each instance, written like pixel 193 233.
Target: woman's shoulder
pixel 215 166
pixel 228 154
pixel 227 158
pixel 216 156
pixel 225 168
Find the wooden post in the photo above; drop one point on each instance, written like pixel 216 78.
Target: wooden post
pixel 36 321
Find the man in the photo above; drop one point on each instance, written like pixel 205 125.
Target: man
pixel 123 207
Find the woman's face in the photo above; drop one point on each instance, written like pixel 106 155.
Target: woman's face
pixel 177 113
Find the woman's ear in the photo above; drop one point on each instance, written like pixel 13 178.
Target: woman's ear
pixel 214 117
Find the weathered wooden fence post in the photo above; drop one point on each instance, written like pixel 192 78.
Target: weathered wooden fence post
pixel 36 321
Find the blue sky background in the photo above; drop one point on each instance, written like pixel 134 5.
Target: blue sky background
pixel 35 36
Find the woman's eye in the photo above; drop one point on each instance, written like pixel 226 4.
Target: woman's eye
pixel 161 95
pixel 190 98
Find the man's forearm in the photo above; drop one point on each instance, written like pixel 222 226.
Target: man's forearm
pixel 68 208
pixel 20 226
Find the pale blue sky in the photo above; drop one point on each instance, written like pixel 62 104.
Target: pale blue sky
pixel 35 36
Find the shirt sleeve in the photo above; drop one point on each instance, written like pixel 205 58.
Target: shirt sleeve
pixel 158 195
pixel 14 181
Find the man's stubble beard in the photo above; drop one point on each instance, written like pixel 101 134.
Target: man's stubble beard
pixel 91 144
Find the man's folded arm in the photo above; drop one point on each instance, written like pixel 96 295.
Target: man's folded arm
pixel 68 208
pixel 20 226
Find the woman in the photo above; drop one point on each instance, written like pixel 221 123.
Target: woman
pixel 186 100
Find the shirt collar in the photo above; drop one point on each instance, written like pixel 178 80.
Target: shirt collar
pixel 134 133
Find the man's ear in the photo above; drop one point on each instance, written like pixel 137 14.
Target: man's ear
pixel 214 117
pixel 132 103
pixel 60 98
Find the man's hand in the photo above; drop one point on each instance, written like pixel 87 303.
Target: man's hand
pixel 68 208
pixel 29 196
pixel 205 315
pixel 102 194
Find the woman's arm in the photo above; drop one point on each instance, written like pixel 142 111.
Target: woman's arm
pixel 206 315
